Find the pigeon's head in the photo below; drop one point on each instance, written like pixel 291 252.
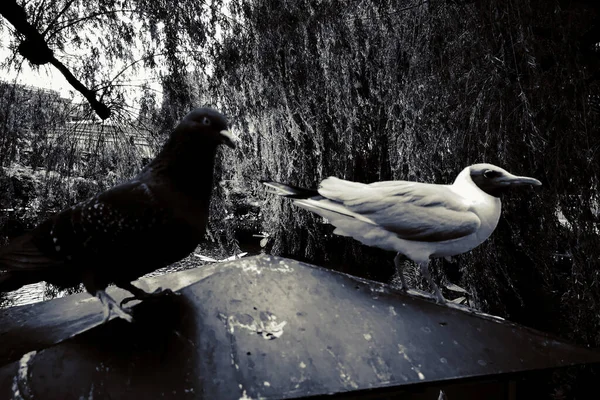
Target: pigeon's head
pixel 206 126
pixel 494 180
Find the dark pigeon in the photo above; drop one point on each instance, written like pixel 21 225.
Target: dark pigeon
pixel 134 228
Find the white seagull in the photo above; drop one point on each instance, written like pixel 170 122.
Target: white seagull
pixel 414 219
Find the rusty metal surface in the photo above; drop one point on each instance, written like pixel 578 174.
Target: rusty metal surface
pixel 275 328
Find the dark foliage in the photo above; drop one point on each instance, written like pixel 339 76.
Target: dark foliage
pixel 373 90
pixel 368 91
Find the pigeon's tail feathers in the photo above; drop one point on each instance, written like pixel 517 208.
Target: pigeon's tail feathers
pixel 5 281
pixel 22 263
pixel 23 255
pixel 13 280
pixel 290 191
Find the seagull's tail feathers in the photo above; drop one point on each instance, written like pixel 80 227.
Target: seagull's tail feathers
pixel 350 224
pixel 342 190
pixel 294 192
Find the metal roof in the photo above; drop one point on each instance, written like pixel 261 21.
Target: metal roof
pixel 263 327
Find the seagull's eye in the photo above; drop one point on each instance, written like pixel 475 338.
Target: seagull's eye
pixel 488 173
pixel 206 121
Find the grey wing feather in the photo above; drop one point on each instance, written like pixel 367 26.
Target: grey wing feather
pixel 412 210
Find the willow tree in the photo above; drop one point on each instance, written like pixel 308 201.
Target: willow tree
pixel 97 45
pixel 372 90
pixel 127 59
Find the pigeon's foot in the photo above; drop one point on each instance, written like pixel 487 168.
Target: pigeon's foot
pixel 139 294
pixel 109 304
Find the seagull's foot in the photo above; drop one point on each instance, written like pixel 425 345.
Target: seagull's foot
pixel 439 298
pixel 400 269
pixel 109 304
pixel 139 294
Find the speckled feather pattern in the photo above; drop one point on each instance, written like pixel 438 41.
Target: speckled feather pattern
pixel 134 228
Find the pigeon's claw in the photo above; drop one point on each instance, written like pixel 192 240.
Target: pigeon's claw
pixel 139 294
pixel 109 304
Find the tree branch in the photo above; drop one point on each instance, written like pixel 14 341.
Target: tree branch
pixel 35 49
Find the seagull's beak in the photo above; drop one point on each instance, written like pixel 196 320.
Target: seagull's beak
pixel 228 138
pixel 513 180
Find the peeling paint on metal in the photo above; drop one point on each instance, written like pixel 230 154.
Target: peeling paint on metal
pixel 298 381
pixel 270 329
pixel 381 369
pixel 344 375
pixel 416 368
pixel 285 268
pixel 20 386
pixel 249 267
pixel 379 289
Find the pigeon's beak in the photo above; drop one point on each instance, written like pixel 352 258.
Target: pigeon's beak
pixel 228 138
pixel 513 180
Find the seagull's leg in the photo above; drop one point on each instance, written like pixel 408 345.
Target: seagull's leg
pixel 398 262
pixel 139 294
pixel 109 304
pixel 425 272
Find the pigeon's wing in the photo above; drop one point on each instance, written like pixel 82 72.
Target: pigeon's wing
pixel 124 216
pixel 412 210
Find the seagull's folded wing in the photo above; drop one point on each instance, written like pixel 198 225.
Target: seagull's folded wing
pixel 412 210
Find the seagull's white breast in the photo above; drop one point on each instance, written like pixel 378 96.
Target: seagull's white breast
pixel 486 207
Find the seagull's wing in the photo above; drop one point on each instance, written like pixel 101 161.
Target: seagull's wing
pixel 412 210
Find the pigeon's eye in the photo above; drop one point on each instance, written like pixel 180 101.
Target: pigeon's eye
pixel 206 121
pixel 490 174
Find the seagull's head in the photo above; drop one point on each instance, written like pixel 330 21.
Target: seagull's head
pixel 207 125
pixel 494 180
